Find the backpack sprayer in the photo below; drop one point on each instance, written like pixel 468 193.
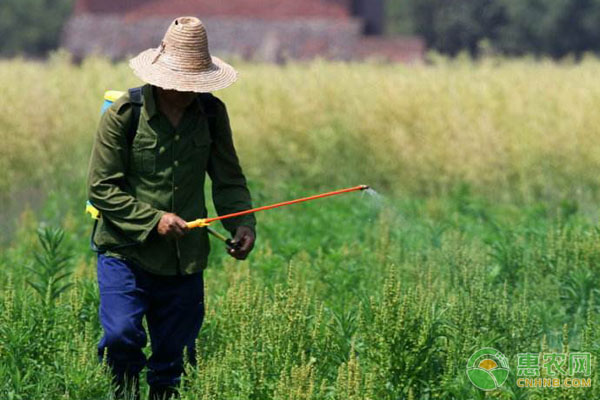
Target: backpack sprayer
pixel 112 95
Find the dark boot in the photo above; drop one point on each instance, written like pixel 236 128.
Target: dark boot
pixel 128 389
pixel 163 393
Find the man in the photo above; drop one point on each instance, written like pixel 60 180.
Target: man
pixel 147 187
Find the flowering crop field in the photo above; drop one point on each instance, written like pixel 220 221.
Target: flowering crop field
pixel 483 232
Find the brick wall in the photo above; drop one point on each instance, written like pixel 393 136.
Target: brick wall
pixel 264 9
pixel 407 50
pixel 265 40
pixel 263 30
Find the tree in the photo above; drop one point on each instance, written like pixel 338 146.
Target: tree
pixel 552 27
pixel 31 26
pixel 451 26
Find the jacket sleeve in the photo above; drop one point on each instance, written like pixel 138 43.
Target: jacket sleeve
pixel 229 190
pixel 106 178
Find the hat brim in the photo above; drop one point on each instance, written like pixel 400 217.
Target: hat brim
pixel 218 76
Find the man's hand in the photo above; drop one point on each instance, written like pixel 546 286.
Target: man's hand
pixel 245 237
pixel 171 226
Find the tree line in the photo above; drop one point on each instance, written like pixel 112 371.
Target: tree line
pixel 32 27
pixel 514 27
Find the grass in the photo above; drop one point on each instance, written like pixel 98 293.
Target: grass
pixel 484 235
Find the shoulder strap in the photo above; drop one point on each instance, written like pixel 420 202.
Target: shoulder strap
pixel 137 101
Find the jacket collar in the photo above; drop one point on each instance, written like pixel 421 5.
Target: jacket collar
pixel 150 108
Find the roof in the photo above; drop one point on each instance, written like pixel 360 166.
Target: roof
pixel 263 9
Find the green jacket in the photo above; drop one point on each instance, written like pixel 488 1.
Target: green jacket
pixel 162 171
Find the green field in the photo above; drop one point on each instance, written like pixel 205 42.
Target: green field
pixel 483 233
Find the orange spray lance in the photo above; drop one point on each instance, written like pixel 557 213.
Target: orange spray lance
pixel 205 222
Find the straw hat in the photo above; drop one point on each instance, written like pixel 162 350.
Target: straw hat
pixel 183 62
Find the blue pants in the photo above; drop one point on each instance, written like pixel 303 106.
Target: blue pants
pixel 174 310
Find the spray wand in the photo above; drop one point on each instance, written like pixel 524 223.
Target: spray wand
pixel 205 222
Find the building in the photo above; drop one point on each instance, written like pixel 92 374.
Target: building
pixel 262 30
